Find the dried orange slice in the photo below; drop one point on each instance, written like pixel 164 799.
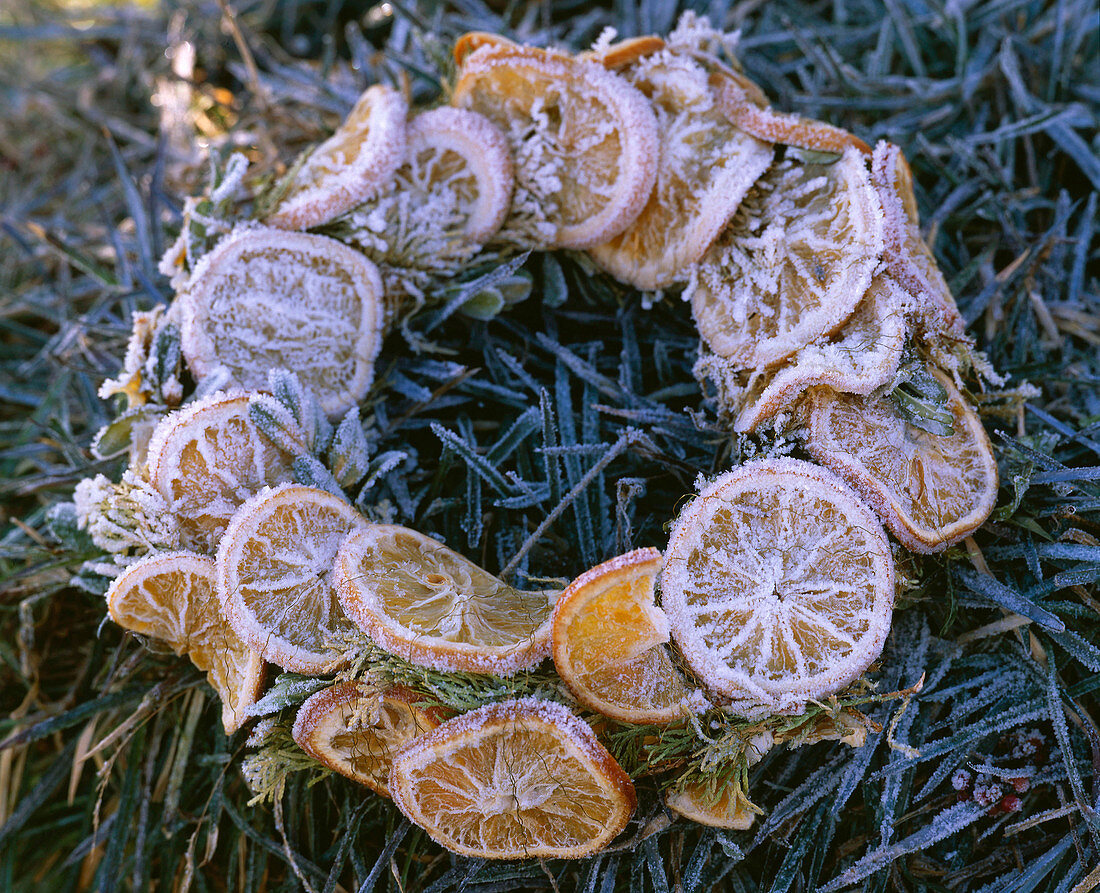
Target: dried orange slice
pixel 793 264
pixel 355 730
pixel 433 607
pixel 610 642
pixel 624 52
pixel 352 165
pixel 208 458
pixel 862 356
pixel 448 197
pixel 778 584
pixel 706 168
pixel 584 140
pixel 275 575
pixel 931 490
pixel 265 298
pixel 515 780
pixel 908 257
pixel 171 596
pixel 724 806
pixel 475 40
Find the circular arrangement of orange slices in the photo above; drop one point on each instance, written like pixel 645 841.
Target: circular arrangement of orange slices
pixel 815 299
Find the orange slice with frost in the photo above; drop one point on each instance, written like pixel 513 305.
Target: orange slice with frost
pixel 930 490
pixel 356 730
pixel 611 642
pixel 794 263
pixel 275 576
pixel 625 52
pixel 519 779
pixel 778 585
pixel 584 140
pixel 720 805
pixel 352 165
pixel 265 298
pixel 433 607
pixel 706 167
pixel 171 596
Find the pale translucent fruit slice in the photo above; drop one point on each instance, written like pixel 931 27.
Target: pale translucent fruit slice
pixel 727 807
pixel 847 727
pixel 930 490
pixel 778 585
pixel 171 596
pixel 610 642
pixel 433 607
pixel 449 196
pixel 265 298
pixel 355 730
pixel 514 780
pixel 908 257
pixel 785 129
pixel 863 356
pixel 793 264
pixel 209 457
pixel 625 52
pixel 275 576
pixel 584 140
pixel 351 166
pixel 706 168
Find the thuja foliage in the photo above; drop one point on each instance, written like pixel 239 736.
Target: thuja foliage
pixel 563 430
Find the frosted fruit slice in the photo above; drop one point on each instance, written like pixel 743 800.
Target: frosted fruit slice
pixel 610 642
pixel 725 806
pixel 515 780
pixel 449 196
pixel 908 257
pixel 433 607
pixel 208 458
pixel 931 490
pixel 475 40
pixel 584 140
pixel 778 585
pixel 275 575
pixel 356 731
pixel 792 265
pixel 171 596
pixel 265 298
pixel 863 356
pixel 352 165
pixel 706 167
pixel 625 52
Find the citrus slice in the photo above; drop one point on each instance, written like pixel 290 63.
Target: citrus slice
pixel 356 731
pixel 793 264
pixel 515 780
pixel 706 166
pixel 720 806
pixel 208 458
pixel 584 140
pixel 448 197
pixel 624 52
pixel 435 608
pixel 265 298
pixel 352 165
pixel 171 596
pixel 778 584
pixel 931 490
pixel 610 642
pixel 908 257
pixel 275 575
pixel 785 129
pixel 475 40
pixel 862 356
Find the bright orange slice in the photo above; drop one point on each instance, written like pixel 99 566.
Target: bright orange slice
pixel 354 164
pixel 356 731
pixel 625 52
pixel 717 805
pixel 610 642
pixel 265 299
pixel 275 576
pixel 930 490
pixel 794 263
pixel 208 458
pixel 433 607
pixel 778 585
pixel 171 596
pixel 706 167
pixel 515 780
pixel 584 140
